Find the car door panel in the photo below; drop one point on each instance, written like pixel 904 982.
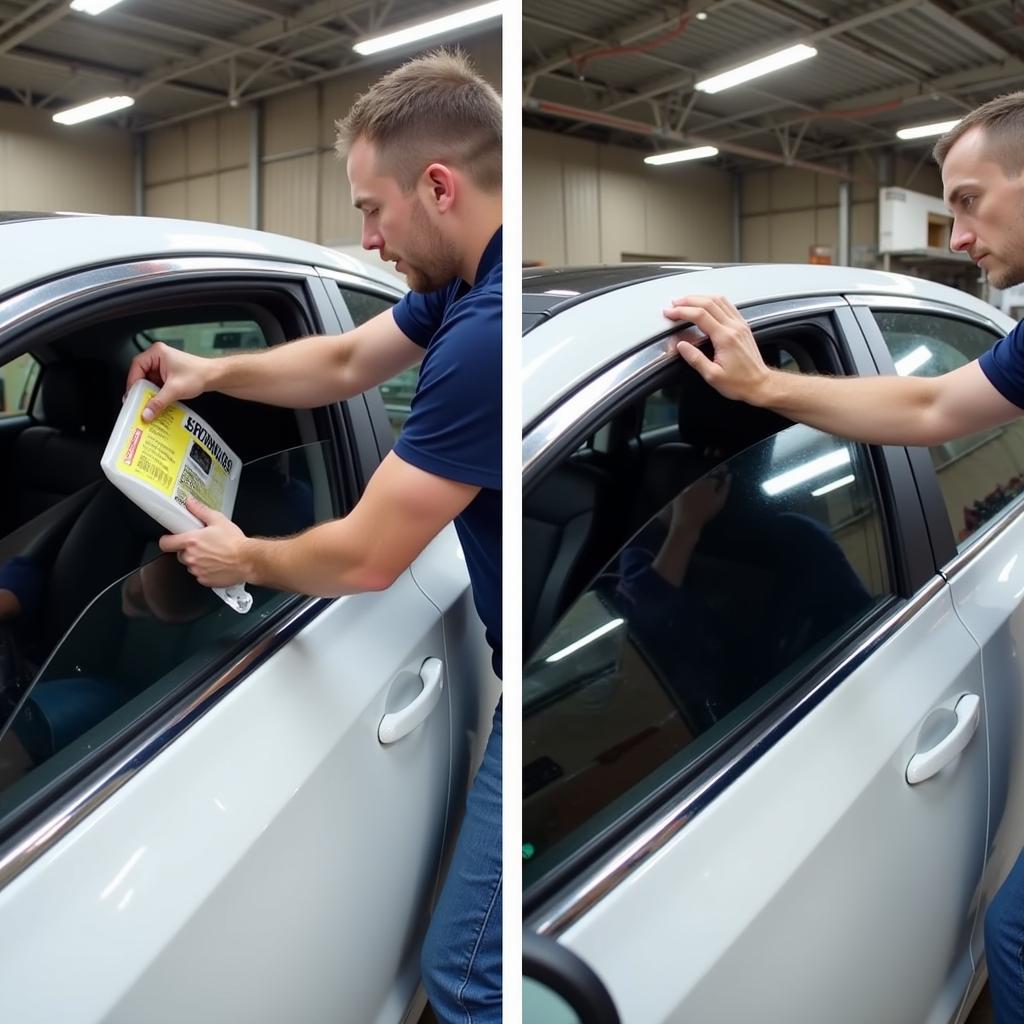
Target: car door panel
pixel 258 869
pixel 825 882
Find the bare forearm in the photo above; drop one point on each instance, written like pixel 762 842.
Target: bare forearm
pixel 302 374
pixel 873 410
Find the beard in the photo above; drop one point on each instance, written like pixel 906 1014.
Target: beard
pixel 1006 277
pixel 431 261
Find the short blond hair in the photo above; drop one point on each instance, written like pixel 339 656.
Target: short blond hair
pixel 433 108
pixel 1002 123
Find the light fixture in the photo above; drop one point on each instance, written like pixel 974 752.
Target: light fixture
pixel 756 68
pixel 96 108
pixel 834 486
pixel 922 131
pixel 913 361
pixel 584 640
pixel 807 471
pixel 678 155
pixel 702 15
pixel 92 6
pixel 426 29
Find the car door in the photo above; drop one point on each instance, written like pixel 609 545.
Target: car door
pixel 250 828
pixel 753 746
pixel 972 487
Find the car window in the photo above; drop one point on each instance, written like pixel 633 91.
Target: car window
pixel 979 475
pixel 17 382
pixel 738 575
pixel 398 391
pixel 206 339
pixel 144 639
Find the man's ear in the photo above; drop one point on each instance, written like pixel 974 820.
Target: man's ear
pixel 441 185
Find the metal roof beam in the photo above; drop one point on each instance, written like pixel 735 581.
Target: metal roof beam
pixel 948 18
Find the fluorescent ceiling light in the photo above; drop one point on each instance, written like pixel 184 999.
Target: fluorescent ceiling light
pixel 560 291
pixel 426 29
pixel 834 486
pixel 756 68
pixel 92 6
pixel 97 108
pixel 913 361
pixel 922 131
pixel 809 470
pixel 588 639
pixel 678 155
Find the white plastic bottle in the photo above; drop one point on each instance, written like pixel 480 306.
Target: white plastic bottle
pixel 173 457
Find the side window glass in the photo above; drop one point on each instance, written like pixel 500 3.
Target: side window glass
pixel 206 339
pixel 17 383
pixel 70 680
pixel 981 474
pixel 398 391
pixel 733 585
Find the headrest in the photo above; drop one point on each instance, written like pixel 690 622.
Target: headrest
pixel 81 397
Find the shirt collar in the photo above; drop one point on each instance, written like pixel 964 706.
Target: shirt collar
pixel 490 258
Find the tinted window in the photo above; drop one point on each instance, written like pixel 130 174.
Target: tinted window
pixel 981 474
pixel 17 382
pixel 738 574
pixel 143 638
pixel 398 391
pixel 206 339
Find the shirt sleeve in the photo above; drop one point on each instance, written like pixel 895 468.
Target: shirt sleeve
pixel 454 425
pixel 419 315
pixel 1003 365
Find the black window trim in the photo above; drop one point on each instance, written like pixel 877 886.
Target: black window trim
pixel 566 892
pixel 60 806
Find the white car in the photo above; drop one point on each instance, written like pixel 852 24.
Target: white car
pixel 772 720
pixel 208 816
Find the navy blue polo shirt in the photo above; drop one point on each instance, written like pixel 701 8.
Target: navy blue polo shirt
pixel 454 426
pixel 1003 364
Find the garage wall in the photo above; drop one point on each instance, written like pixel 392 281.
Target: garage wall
pixel 201 169
pixel 785 211
pixel 584 202
pixel 45 166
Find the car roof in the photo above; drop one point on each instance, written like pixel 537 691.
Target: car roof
pixel 565 350
pixel 39 246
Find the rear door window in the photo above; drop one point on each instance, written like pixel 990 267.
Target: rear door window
pixel 17 385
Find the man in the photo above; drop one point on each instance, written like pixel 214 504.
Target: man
pixel 982 160
pixel 423 149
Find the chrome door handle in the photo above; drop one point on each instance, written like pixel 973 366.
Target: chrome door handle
pixel 394 726
pixel 929 762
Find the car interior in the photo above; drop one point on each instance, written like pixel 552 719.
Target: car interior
pixel 113 613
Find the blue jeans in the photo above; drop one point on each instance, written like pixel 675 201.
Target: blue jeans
pixel 1004 947
pixel 461 958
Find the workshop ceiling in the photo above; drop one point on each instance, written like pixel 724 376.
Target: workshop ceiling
pixel 184 58
pixel 624 72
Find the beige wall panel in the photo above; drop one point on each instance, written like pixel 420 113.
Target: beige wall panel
pixel 826 229
pixel 543 206
pixel 864 167
pixel 290 121
pixel 233 198
pixel 233 138
pixel 167 200
pixel 864 224
pixel 689 213
pixel 826 190
pixel 756 191
pixel 792 187
pixel 580 183
pixel 290 197
pixel 792 236
pixel 485 52
pixel 201 145
pixel 340 222
pixel 623 208
pixel 756 239
pixel 201 198
pixel 165 154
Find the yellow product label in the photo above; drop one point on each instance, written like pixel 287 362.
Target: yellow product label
pixel 154 451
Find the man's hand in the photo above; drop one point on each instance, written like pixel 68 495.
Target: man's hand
pixel 216 554
pixel 737 370
pixel 179 376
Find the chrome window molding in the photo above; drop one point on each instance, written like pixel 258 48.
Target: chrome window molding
pixel 907 304
pixel 21 310
pixel 553 425
pixel 561 912
pixel 66 814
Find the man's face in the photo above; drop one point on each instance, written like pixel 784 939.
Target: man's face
pixel 987 207
pixel 398 225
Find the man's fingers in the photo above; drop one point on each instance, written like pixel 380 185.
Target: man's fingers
pixel 700 362
pixel 173 541
pixel 202 512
